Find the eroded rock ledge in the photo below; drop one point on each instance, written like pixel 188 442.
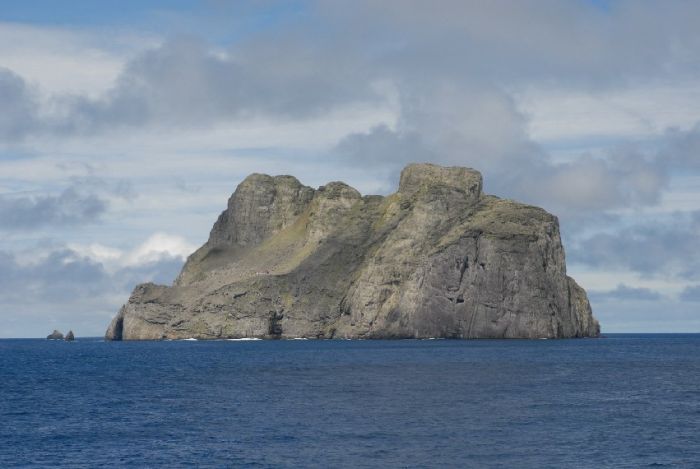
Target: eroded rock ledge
pixel 436 259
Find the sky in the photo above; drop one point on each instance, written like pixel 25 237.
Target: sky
pixel 126 125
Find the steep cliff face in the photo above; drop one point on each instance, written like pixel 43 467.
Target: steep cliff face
pixel 436 259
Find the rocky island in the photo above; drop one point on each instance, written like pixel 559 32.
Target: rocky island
pixel 438 258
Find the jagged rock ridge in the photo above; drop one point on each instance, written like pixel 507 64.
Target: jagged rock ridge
pixel 438 258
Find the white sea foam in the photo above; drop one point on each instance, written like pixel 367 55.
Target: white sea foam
pixel 191 338
pixel 245 338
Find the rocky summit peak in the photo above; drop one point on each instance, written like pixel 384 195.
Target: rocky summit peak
pixel 436 259
pixel 426 176
pixel 338 189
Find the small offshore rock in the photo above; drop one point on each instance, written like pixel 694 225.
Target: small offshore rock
pixel 55 335
pixel 70 336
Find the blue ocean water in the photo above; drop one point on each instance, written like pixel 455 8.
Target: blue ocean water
pixel 619 401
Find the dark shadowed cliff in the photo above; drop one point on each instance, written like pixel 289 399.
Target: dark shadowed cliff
pixel 436 259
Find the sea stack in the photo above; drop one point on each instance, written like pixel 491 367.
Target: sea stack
pixel 55 335
pixel 70 336
pixel 438 258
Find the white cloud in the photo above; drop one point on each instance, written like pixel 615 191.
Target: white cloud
pixel 639 111
pixel 597 280
pixel 98 252
pixel 60 60
pixel 156 247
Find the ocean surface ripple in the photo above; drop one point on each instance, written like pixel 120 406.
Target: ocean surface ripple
pixel 620 401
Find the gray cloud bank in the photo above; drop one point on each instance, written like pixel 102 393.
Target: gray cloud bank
pixel 70 207
pixel 449 69
pixel 691 294
pixel 73 290
pixel 664 248
pixel 19 113
pixel 625 293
